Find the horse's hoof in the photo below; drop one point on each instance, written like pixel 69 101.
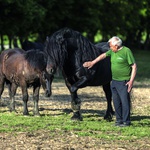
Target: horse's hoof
pixel 37 115
pixel 77 117
pixel 108 117
pixel 14 111
pixel 26 114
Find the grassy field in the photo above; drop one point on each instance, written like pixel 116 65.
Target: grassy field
pixel 55 130
pixel 143 62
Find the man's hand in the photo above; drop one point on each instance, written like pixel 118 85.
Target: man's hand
pixel 129 84
pixel 88 64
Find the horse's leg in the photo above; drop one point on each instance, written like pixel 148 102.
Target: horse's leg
pixel 36 90
pixel 76 106
pixel 108 94
pixel 2 82
pixel 12 87
pixel 79 84
pixel 25 98
pixel 75 103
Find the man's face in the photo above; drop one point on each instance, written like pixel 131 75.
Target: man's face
pixel 114 48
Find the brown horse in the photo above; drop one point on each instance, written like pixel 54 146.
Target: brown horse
pixel 24 69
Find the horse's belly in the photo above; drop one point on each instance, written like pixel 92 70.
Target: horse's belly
pixel 99 81
pixel 100 78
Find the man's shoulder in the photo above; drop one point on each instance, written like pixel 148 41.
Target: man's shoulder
pixel 126 48
pixel 108 52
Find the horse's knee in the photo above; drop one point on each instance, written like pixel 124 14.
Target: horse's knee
pixel 73 88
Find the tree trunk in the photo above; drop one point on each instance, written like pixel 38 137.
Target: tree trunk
pixel 15 42
pixel 147 42
pixel 2 43
pixel 10 41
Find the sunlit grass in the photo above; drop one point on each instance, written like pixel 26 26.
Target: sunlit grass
pixel 94 126
pixel 89 127
pixel 143 62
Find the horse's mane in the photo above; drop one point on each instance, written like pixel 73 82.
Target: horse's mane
pixel 28 45
pixel 37 59
pixel 55 46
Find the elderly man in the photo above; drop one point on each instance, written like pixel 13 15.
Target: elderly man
pixel 123 69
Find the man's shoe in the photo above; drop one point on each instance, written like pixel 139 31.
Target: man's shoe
pixel 118 123
pixel 124 125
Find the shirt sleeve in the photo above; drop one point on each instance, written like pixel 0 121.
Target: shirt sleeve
pixel 108 53
pixel 130 57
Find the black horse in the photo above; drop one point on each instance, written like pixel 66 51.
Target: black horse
pixel 24 69
pixel 28 45
pixel 69 50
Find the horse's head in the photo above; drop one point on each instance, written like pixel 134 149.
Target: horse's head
pixel 51 66
pixel 38 60
pixel 46 83
pixel 49 76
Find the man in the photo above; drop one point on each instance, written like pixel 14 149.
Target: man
pixel 123 69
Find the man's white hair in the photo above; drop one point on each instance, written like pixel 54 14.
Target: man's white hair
pixel 115 40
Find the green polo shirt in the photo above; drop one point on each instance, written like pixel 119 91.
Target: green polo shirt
pixel 121 62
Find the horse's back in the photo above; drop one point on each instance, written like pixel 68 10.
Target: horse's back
pixel 102 69
pixel 16 68
pixel 13 51
pixel 5 55
pixel 12 62
pixel 28 45
pixel 103 46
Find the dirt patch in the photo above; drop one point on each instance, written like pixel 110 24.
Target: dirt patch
pixel 44 140
pixel 93 101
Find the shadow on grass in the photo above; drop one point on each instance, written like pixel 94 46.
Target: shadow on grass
pixel 86 113
pixel 141 120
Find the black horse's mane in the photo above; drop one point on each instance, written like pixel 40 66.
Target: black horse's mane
pixel 56 44
pixel 27 45
pixel 37 59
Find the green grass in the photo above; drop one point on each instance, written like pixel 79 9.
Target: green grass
pixel 97 128
pixel 143 62
pixel 91 126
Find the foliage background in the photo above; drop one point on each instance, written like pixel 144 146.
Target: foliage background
pixel 30 19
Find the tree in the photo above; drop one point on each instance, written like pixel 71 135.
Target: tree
pixel 20 18
pixel 128 19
